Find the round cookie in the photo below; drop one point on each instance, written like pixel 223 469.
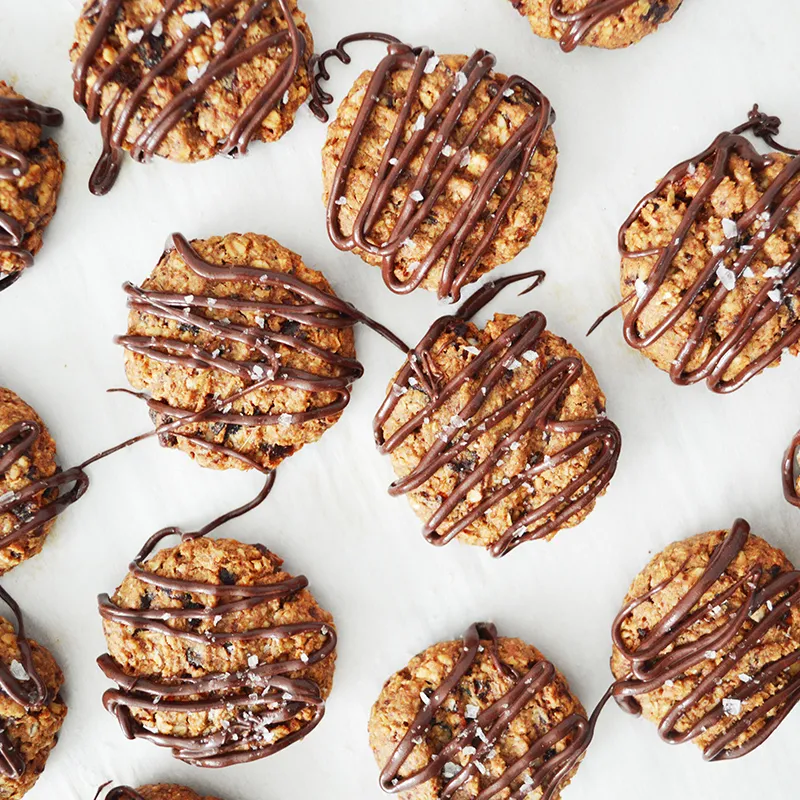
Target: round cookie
pixel 219 316
pixel 438 169
pixel 31 171
pixel 159 791
pixel 31 708
pixel 711 262
pixel 486 716
pixel 186 79
pixel 30 482
pixel 217 653
pixel 497 436
pixel 610 24
pixel 707 644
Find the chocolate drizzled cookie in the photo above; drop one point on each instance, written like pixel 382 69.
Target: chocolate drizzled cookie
pixel 33 490
pixel 160 791
pixel 31 708
pixel 217 653
pixel 711 262
pixel 599 23
pixel 480 718
pixel 791 478
pixel 188 80
pixel 707 644
pixel 31 170
pixel 497 436
pixel 436 169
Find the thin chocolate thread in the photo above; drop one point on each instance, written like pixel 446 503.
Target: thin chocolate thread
pixel 12 233
pixel 769 212
pixel 790 461
pixel 486 370
pixel 580 23
pixel 433 131
pixel 118 115
pixel 482 733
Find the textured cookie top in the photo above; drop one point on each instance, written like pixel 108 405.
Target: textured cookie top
pixel 498 436
pixel 217 652
pixel 708 642
pixel 711 263
pixel 438 169
pixel 187 80
pixel 219 316
pixel 30 179
pixel 155 791
pixel 486 716
pixel 31 709
pixel 599 23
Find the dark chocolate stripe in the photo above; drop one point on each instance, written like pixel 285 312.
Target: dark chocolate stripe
pixel 117 117
pixel 432 138
pixel 581 23
pixel 486 370
pixel 486 730
pixel 790 461
pixel 662 655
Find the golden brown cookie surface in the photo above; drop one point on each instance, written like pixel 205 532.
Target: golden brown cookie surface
pixel 155 791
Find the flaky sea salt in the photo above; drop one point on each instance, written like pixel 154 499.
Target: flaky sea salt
pixel 471 711
pixel 417 196
pixel 340 201
pixel 772 272
pixel 731 706
pixel 775 295
pixel 285 419
pixel 508 93
pixel 729 228
pixel 450 770
pixel 461 81
pixel 158 28
pixel 433 62
pixel 447 151
pixel 641 287
pixel 530 355
pixel 252 661
pixel 420 123
pixel 727 277
pixel 195 73
pixel 18 671
pixel 465 159
pixel 196 18
pixel 136 35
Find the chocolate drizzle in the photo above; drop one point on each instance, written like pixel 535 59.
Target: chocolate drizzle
pixel 263 695
pixel 30 692
pixel 482 734
pixel 665 654
pixel 486 370
pixel 769 212
pixel 790 460
pixel 433 138
pixel 16 442
pixel 581 22
pixel 119 793
pixel 116 119
pixel 12 233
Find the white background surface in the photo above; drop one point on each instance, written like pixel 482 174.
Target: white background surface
pixel 691 461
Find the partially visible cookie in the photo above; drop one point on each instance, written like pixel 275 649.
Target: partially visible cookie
pixel 31 708
pixel 484 717
pixel 159 791
pixel 218 654
pixel 599 23
pixel 31 171
pixel 707 644
pixel 497 436
pixel 219 316
pixel 187 80
pixel 438 169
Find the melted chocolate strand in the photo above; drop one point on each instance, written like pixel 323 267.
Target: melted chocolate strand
pixel 16 442
pixel 119 793
pixel 790 460
pixel 30 692
pixel 439 123
pixel 661 656
pixel 117 117
pixel 771 210
pixel 580 23
pixel 12 234
pixel 263 695
pixel 485 371
pixel 483 733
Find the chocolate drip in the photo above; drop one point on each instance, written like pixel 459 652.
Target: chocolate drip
pixel 790 459
pixel 12 233
pixel 483 733
pixel 117 117
pixel 581 22
pixel 119 793
pixel 30 692
pixel 662 655
pixel 263 695
pixel 771 210
pixel 486 370
pixel 514 158
pixel 16 441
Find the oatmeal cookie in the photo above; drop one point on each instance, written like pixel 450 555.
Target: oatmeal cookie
pixel 497 436
pixel 598 23
pixel 483 716
pixel 438 169
pixel 711 262
pixel 240 322
pixel 217 652
pixel 31 708
pixel 159 791
pixel 186 79
pixel 707 644
pixel 31 171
